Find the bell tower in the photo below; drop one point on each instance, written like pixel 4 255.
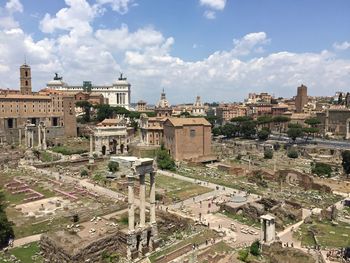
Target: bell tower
pixel 25 79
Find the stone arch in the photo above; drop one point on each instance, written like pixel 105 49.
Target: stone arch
pixel 104 148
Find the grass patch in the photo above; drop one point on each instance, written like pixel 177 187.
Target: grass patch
pixel 178 190
pixel 67 150
pixel 28 253
pixel 328 235
pixel 241 218
pixel 48 157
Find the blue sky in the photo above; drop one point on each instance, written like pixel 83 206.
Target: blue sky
pixel 218 49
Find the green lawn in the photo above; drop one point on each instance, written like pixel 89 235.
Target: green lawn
pixel 326 234
pixel 26 254
pixel 242 219
pixel 178 190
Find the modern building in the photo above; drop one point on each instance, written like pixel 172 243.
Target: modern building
pixel 301 99
pixel 188 139
pixel 51 109
pixel 117 94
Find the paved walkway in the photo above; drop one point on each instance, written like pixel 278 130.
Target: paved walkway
pixel 26 240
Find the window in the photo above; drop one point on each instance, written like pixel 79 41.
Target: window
pixel 192 133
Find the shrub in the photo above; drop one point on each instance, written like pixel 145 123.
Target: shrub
pixel 268 154
pixel 263 134
pixel 164 160
pixel 243 255
pixel 255 248
pixel 84 173
pixel 322 169
pixel 293 154
pixel 113 167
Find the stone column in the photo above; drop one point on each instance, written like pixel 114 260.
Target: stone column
pixel 131 209
pixel 39 136
pixel 25 136
pixel 91 155
pixel 142 201
pixel 19 137
pixel 44 139
pixel 32 137
pixel 152 198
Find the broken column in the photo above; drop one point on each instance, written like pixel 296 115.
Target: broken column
pixel 268 232
pixel 19 137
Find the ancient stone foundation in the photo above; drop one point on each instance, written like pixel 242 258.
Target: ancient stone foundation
pixel 62 247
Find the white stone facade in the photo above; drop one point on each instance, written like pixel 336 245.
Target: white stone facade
pixel 118 94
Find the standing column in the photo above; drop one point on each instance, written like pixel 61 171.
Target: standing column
pixel 25 136
pixel 39 136
pixel 91 156
pixel 152 198
pixel 131 203
pixel 44 138
pixel 19 137
pixel 32 136
pixel 142 201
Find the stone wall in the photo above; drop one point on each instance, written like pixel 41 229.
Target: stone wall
pixel 56 250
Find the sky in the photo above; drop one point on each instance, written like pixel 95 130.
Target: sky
pixel 217 49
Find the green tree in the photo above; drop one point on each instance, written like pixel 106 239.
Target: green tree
pixel 255 248
pixel 241 119
pixel 264 120
pixel 86 106
pixel 243 255
pixel 84 173
pixel 104 111
pixel 113 166
pixel 211 119
pixel 279 121
pixel 346 161
pixel 268 154
pixel 164 160
pixel 228 130
pixel 292 154
pixel 263 134
pixel 185 114
pixel 248 129
pixel 321 169
pixel 216 131
pixel 6 231
pixel 312 129
pixel 294 131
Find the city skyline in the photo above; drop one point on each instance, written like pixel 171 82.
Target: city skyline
pixel 220 50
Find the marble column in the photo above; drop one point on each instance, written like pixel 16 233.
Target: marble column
pixel 44 139
pixel 131 204
pixel 25 136
pixel 142 201
pixel 39 136
pixel 91 155
pixel 19 137
pixel 32 137
pixel 152 198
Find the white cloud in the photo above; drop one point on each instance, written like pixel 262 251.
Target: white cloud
pixel 209 14
pixel 214 4
pixel 75 18
pixel 120 6
pixel 250 43
pixel 14 6
pixel 341 46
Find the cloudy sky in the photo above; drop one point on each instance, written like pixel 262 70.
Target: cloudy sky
pixel 218 49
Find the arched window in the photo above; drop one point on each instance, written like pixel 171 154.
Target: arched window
pixel 26 73
pixel 26 82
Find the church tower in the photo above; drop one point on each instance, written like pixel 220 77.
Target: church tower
pixel 25 79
